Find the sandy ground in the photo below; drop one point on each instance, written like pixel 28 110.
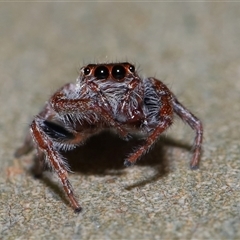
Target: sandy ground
pixel 194 49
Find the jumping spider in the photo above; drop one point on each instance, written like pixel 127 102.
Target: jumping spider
pixel 105 96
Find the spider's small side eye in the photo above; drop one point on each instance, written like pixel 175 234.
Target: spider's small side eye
pixel 118 72
pixel 101 72
pixel 86 71
pixel 131 68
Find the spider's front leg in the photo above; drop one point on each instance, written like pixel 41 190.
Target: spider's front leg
pixel 63 104
pixel 40 131
pixel 161 109
pixel 168 105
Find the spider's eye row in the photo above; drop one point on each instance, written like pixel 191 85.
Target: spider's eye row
pixel 118 72
pixel 101 72
pixel 131 68
pixel 86 71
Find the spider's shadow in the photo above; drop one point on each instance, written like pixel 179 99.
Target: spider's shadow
pixel 104 154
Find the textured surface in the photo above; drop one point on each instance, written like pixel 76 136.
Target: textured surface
pixel 194 49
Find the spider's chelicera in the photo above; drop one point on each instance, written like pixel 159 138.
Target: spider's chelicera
pixel 105 96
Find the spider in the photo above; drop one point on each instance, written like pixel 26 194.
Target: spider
pixel 105 96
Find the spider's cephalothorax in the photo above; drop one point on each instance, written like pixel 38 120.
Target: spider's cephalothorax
pixel 105 96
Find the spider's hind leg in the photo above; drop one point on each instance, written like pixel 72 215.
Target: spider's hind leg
pixel 196 125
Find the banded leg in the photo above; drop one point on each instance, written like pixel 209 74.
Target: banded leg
pixel 166 119
pixel 55 160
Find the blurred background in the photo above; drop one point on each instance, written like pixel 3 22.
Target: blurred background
pixel 194 48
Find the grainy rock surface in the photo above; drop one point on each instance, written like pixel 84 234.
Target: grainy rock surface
pixel 194 49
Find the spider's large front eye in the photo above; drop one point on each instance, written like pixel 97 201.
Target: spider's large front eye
pixel 101 72
pixel 118 72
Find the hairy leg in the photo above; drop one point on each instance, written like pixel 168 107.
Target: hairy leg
pixel 196 125
pixel 54 159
